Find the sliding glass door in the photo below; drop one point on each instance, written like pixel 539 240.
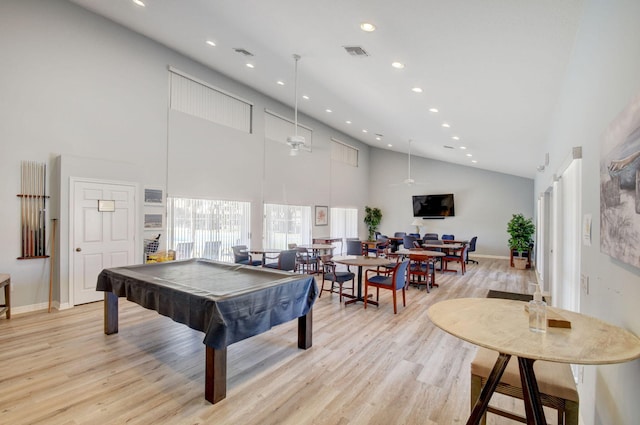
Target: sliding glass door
pixel 205 228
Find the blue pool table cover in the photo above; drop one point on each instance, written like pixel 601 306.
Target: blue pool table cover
pixel 228 302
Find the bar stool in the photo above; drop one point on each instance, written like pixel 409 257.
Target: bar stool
pixel 5 282
pixel 555 381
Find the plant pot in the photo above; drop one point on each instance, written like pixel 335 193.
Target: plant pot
pixel 520 263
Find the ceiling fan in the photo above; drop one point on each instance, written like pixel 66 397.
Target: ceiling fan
pixel 295 141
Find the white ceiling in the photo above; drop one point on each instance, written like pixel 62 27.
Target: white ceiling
pixel 493 68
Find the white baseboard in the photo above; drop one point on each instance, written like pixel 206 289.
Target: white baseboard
pixel 39 307
pixel 497 257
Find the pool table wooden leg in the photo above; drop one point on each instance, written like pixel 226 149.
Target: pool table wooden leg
pixel 110 313
pixel 215 385
pixel 305 330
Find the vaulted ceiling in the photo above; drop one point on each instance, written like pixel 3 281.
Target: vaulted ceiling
pixel 493 69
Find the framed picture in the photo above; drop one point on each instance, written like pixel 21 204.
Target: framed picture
pixel 153 221
pixel 153 196
pixel 322 215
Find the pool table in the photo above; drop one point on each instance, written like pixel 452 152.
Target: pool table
pixel 228 302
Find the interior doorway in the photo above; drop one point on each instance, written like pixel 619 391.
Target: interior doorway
pixel 102 217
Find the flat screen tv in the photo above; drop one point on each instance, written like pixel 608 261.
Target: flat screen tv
pixel 433 205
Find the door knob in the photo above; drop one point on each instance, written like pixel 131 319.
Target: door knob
pixel 78 249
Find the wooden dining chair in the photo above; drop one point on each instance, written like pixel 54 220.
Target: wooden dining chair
pixel 306 262
pixel 330 274
pixel 286 261
pixel 241 256
pixel 457 257
pixel 393 258
pixel 423 269
pixel 395 282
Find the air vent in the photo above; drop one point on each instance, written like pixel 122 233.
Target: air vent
pixel 242 51
pixel 356 51
pixel 448 147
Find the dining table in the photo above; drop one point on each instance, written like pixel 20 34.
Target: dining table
pixel 329 240
pixel 317 248
pixel 448 248
pixel 263 252
pixel 395 242
pixel 424 254
pixel 367 245
pixel 361 261
pixel 503 326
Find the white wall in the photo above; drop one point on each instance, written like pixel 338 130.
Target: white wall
pixel 89 98
pixel 84 89
pixel 602 78
pixel 484 200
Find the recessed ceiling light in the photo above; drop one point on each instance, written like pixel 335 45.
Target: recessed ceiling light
pixel 378 138
pixel 305 97
pixel 416 90
pixel 348 122
pixel 445 125
pixel 364 131
pixel 455 138
pixel 469 155
pixel 250 65
pixel 474 161
pixel 328 110
pixel 139 3
pixel 463 147
pixel 390 145
pixel 368 27
pixel 280 83
pixel 397 65
pixel 433 109
pixel 211 43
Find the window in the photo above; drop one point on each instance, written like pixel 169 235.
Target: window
pixel 344 222
pixel 278 128
pixel 285 224
pixel 196 97
pixel 203 228
pixel 341 152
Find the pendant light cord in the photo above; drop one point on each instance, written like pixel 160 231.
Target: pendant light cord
pixel 295 93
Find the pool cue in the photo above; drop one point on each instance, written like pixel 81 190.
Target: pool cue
pixel 31 181
pixel 51 260
pixel 28 200
pixel 22 208
pixel 43 211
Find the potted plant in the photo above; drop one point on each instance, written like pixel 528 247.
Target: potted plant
pixel 521 230
pixel 372 218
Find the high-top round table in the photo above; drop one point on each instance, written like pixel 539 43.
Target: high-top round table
pixel 503 326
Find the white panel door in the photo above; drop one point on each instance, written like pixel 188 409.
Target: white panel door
pixel 100 239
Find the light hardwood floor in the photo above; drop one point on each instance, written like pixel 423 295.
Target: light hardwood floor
pixel 365 367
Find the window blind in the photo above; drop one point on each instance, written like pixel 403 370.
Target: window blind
pixel 196 97
pixel 342 152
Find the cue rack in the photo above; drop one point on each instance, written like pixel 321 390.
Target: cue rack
pixel 33 179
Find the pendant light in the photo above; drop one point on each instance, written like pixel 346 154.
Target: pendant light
pixel 295 141
pixel 409 181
